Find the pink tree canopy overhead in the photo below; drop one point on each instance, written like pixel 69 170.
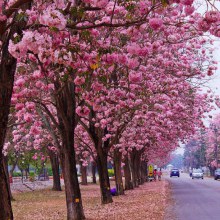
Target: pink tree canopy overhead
pixel 116 74
pixel 107 63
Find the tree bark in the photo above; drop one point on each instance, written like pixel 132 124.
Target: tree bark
pixel 127 173
pixel 143 172
pixel 54 159
pixel 102 165
pixel 102 148
pixel 118 174
pixel 7 72
pixel 94 172
pixel 133 165
pixel 84 174
pixel 65 101
pixel 27 172
pixel 138 166
pixel 5 201
pixel 13 166
pixel 7 175
pixel 72 190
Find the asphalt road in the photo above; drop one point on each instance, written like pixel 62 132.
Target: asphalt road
pixel 194 199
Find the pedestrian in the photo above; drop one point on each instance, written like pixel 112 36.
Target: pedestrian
pixel 155 174
pixel 159 174
pixel 190 172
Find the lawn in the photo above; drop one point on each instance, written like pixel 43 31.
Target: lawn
pixel 148 201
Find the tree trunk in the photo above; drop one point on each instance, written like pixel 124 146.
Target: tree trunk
pixel 133 165
pixel 118 174
pixel 13 166
pixel 72 190
pixel 7 72
pixel 143 172
pixel 54 159
pixel 84 174
pixel 5 201
pixel 127 173
pixel 94 172
pixel 22 175
pixel 27 172
pixel 7 175
pixel 102 165
pixel 65 101
pixel 138 166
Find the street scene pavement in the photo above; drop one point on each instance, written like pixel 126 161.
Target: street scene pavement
pixel 194 199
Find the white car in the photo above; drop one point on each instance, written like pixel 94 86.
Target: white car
pixel 197 173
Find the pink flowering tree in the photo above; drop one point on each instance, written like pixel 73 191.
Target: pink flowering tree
pixel 85 52
pixel 106 57
pixel 9 25
pixel 212 140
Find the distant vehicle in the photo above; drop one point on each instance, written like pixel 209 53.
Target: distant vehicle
pixel 217 174
pixel 197 173
pixel 174 172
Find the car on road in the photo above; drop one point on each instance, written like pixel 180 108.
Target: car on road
pixel 217 174
pixel 174 172
pixel 197 173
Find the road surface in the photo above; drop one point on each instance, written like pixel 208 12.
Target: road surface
pixel 194 199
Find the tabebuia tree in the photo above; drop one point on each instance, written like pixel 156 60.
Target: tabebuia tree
pixel 10 25
pixel 196 150
pixel 212 144
pixel 202 149
pixel 101 64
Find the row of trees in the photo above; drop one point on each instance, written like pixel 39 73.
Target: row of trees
pixel 99 80
pixel 203 148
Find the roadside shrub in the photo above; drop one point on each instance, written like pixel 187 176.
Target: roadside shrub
pixel 111 172
pixel 16 174
pixel 49 171
pixel 32 176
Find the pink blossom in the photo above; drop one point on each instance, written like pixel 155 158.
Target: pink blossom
pixel 155 23
pixel 189 10
pixel 28 118
pixel 19 106
pixel 82 111
pixel 60 4
pixel 97 86
pixel 204 25
pixel 30 105
pixel 3 17
pixel 133 63
pixel 101 3
pixel 79 80
pixel 212 16
pixel 53 18
pixel 34 131
pixel 135 77
pixel 187 2
pixel 35 157
pixel 20 82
